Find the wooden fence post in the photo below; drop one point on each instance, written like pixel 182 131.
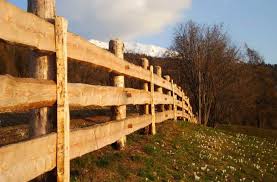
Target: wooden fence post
pixel 167 77
pixel 183 105
pixel 145 86
pixel 160 89
pixel 174 101
pixel 179 88
pixel 63 120
pixel 118 112
pixel 43 68
pixel 189 108
pixel 153 125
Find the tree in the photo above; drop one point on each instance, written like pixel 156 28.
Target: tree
pixel 263 85
pixel 252 56
pixel 225 84
pixel 207 56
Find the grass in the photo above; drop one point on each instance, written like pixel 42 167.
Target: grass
pixel 249 130
pixel 182 152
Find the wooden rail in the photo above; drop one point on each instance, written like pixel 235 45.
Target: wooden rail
pixel 19 94
pixel 26 160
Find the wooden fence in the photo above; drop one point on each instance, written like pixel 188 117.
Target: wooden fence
pixel 26 160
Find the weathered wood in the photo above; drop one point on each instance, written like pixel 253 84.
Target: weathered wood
pixel 188 110
pixel 178 103
pixel 119 112
pixel 21 94
pixel 43 8
pixel 39 34
pixel 42 68
pixel 160 89
pixel 26 160
pixel 153 125
pixel 174 101
pixel 167 77
pixel 179 114
pixel 98 136
pixel 188 107
pixel 145 87
pixel 82 95
pixel 178 91
pixel 145 65
pixel 63 120
pixel 163 116
pixel 183 106
pixel 14 30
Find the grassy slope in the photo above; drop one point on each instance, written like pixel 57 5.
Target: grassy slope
pixel 182 152
pixel 251 131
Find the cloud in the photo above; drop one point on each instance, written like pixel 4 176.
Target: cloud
pixel 126 19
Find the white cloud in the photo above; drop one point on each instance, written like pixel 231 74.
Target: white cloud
pixel 126 19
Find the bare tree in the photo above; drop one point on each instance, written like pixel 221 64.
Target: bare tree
pixel 206 54
pixel 252 56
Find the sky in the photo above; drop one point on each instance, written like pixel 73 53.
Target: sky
pixel 153 21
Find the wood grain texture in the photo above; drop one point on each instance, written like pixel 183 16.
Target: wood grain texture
pixel 43 8
pixel 169 93
pixel 145 86
pixel 20 94
pixel 63 120
pixel 174 101
pixel 26 160
pixel 43 67
pixel 118 112
pixel 161 107
pixel 82 95
pixel 163 116
pixel 153 119
pixel 183 106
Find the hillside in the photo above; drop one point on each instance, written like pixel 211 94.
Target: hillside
pixel 182 152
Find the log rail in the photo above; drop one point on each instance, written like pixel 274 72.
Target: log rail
pixel 26 160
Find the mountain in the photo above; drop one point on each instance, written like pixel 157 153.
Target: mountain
pixel 137 48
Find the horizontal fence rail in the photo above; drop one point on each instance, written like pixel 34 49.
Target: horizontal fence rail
pixel 40 153
pixel 19 94
pixel 26 160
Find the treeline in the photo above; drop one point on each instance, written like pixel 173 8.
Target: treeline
pixel 226 84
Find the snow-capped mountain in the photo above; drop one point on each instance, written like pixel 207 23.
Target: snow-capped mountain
pixel 137 48
pixel 104 45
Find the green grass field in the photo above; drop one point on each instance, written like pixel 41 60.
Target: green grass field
pixel 183 152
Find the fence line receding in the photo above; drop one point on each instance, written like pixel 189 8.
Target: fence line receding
pixel 26 160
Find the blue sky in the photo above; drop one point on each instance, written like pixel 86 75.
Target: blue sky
pixel 250 21
pixel 247 21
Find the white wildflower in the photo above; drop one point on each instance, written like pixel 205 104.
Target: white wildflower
pixel 197 178
pixel 204 168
